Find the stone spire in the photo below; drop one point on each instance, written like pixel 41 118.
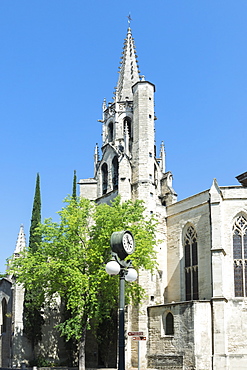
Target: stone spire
pixel 21 242
pixel 129 72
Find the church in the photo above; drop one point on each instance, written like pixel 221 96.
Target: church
pixel 194 314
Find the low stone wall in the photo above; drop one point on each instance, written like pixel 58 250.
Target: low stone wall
pixel 165 362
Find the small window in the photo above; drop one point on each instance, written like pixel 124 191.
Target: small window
pixel 169 330
pixel 167 324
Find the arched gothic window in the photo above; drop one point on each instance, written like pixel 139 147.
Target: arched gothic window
pixel 191 264
pixel 4 315
pixel 104 170
pixel 115 173
pixel 240 256
pixel 169 329
pixel 110 132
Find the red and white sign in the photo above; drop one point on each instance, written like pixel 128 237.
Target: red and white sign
pixel 139 338
pixel 135 333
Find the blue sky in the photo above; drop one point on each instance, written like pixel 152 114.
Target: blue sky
pixel 59 60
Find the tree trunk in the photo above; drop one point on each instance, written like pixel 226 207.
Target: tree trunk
pixel 81 347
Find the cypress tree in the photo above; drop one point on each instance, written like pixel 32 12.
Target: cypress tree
pixel 74 186
pixel 34 236
pixel 32 316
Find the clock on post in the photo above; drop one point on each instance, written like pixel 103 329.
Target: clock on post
pixel 122 243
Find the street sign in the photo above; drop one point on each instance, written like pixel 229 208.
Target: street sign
pixel 139 338
pixel 135 333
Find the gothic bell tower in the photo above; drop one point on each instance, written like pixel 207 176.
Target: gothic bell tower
pixel 128 165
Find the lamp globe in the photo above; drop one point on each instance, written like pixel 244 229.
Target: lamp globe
pixel 112 268
pixel 131 275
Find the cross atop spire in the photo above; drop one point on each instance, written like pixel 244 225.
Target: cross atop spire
pixel 129 69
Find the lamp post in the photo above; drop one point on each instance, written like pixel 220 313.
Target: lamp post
pixel 122 244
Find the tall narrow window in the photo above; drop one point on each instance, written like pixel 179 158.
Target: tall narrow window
pixel 191 264
pixel 115 173
pixel 155 176
pixel 4 315
pixel 110 132
pixel 240 256
pixel 104 170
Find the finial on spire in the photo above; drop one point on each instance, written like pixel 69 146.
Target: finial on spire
pixel 129 19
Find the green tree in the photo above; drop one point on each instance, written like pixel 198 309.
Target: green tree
pixel 71 261
pixel 32 315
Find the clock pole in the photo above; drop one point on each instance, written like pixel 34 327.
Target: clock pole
pixel 122 244
pixel 121 338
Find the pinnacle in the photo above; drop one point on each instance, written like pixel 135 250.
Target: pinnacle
pixel 21 241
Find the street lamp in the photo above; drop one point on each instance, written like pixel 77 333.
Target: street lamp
pixel 122 245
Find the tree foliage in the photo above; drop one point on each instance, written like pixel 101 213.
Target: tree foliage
pixel 72 256
pixel 32 318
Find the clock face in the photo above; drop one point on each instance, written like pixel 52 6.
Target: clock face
pixel 128 243
pixel 122 243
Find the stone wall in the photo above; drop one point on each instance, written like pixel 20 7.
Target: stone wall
pixel 5 337
pixel 184 349
pixel 191 211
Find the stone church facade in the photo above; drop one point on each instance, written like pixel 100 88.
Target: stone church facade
pixel 194 314
pixel 201 324
pixel 14 346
